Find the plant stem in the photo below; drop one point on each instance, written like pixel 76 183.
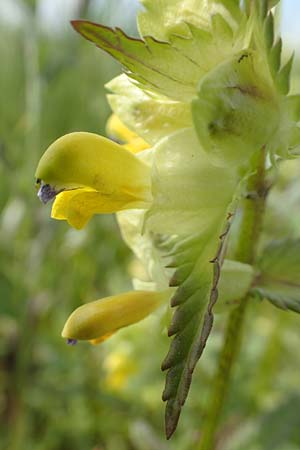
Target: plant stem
pixel 253 207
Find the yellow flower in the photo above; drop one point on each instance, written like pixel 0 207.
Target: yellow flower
pixel 98 320
pixel 90 174
pixel 118 365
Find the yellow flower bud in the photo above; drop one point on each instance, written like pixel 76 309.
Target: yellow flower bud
pixel 101 318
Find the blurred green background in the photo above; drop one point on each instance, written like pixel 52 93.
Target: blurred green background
pixel 108 397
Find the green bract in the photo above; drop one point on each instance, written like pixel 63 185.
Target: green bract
pixel 205 90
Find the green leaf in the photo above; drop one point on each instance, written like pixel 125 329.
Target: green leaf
pixel 278 280
pixel 191 200
pixel 155 65
pixel 199 263
pixel 235 282
pixel 171 68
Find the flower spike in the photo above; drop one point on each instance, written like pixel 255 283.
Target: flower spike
pixel 204 97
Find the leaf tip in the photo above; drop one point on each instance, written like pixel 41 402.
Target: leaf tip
pixel 165 366
pixel 83 27
pixel 76 24
pixel 169 432
pixel 173 410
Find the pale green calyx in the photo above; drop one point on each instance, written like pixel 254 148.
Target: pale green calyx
pixel 230 110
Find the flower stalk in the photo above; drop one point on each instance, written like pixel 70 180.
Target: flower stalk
pixel 253 207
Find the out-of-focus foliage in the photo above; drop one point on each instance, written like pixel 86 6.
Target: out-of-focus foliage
pixel 55 397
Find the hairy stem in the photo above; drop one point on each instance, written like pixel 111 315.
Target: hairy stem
pixel 253 207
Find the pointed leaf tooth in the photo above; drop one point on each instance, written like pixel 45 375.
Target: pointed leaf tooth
pixel 173 282
pixel 172 415
pixel 283 76
pixel 200 34
pixel 167 245
pixel 181 275
pixel 269 30
pixel 182 316
pixel 169 364
pixel 180 345
pixel 221 28
pixel 275 56
pixel 182 295
pixel 170 379
pixel 172 360
pixel 172 264
pixel 186 244
pixel 181 254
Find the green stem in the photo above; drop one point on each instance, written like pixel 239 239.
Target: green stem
pixel 252 215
